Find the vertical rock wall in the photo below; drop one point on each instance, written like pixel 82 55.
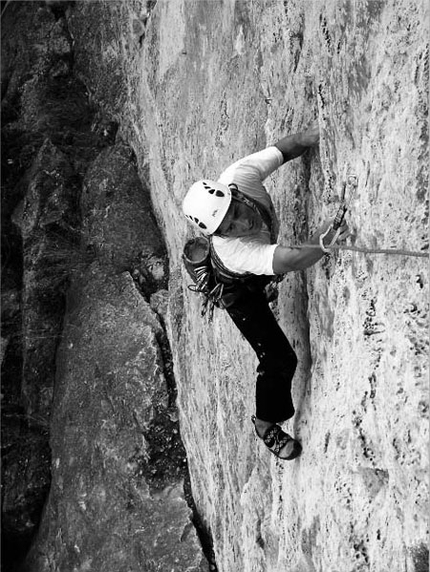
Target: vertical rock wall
pixel 45 141
pixel 90 427
pixel 207 83
pixel 197 84
pixel 230 79
pixel 117 496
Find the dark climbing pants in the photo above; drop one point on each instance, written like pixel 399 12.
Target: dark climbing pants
pixel 277 360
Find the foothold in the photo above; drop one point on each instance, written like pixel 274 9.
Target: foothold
pixel 138 27
pixel 420 281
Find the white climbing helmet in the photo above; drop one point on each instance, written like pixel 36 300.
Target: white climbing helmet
pixel 206 204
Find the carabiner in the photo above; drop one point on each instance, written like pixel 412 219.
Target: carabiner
pixel 350 184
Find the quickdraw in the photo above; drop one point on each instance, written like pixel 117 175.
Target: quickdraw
pixel 348 188
pixel 211 300
pixel 203 284
pixel 211 297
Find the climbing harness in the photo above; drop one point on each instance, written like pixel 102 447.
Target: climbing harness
pixel 347 194
pixel 219 286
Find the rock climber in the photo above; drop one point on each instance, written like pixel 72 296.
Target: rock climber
pixel 237 214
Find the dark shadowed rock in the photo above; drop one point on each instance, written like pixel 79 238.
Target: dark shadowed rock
pixel 118 221
pixel 46 217
pixel 117 499
pixel 110 432
pixel 191 87
pixel 26 476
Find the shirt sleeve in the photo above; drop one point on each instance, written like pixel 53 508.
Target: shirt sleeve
pixel 242 256
pixel 260 164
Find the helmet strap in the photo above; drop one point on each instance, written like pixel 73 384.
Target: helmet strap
pixel 254 205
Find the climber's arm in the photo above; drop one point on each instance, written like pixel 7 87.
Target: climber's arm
pixel 290 259
pixel 293 146
pixel 253 169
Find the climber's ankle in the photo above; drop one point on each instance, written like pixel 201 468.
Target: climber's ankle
pixel 262 426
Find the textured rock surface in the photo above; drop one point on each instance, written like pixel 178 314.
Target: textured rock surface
pixel 40 107
pixel 45 217
pixel 117 496
pixel 74 211
pixel 194 85
pixel 113 502
pixel 208 82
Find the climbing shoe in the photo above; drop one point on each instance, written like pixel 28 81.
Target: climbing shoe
pixel 280 443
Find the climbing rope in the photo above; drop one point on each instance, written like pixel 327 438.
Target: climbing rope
pixel 396 251
pixel 347 193
pixel 353 248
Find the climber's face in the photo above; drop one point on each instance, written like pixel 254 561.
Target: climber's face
pixel 240 220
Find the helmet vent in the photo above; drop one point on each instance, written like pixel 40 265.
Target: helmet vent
pixel 197 221
pixel 211 191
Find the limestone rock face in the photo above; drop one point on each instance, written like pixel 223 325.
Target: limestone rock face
pixel 209 82
pixel 191 86
pixel 92 459
pixel 118 220
pixel 118 465
pixel 39 220
pixel 45 218
pixel 112 502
